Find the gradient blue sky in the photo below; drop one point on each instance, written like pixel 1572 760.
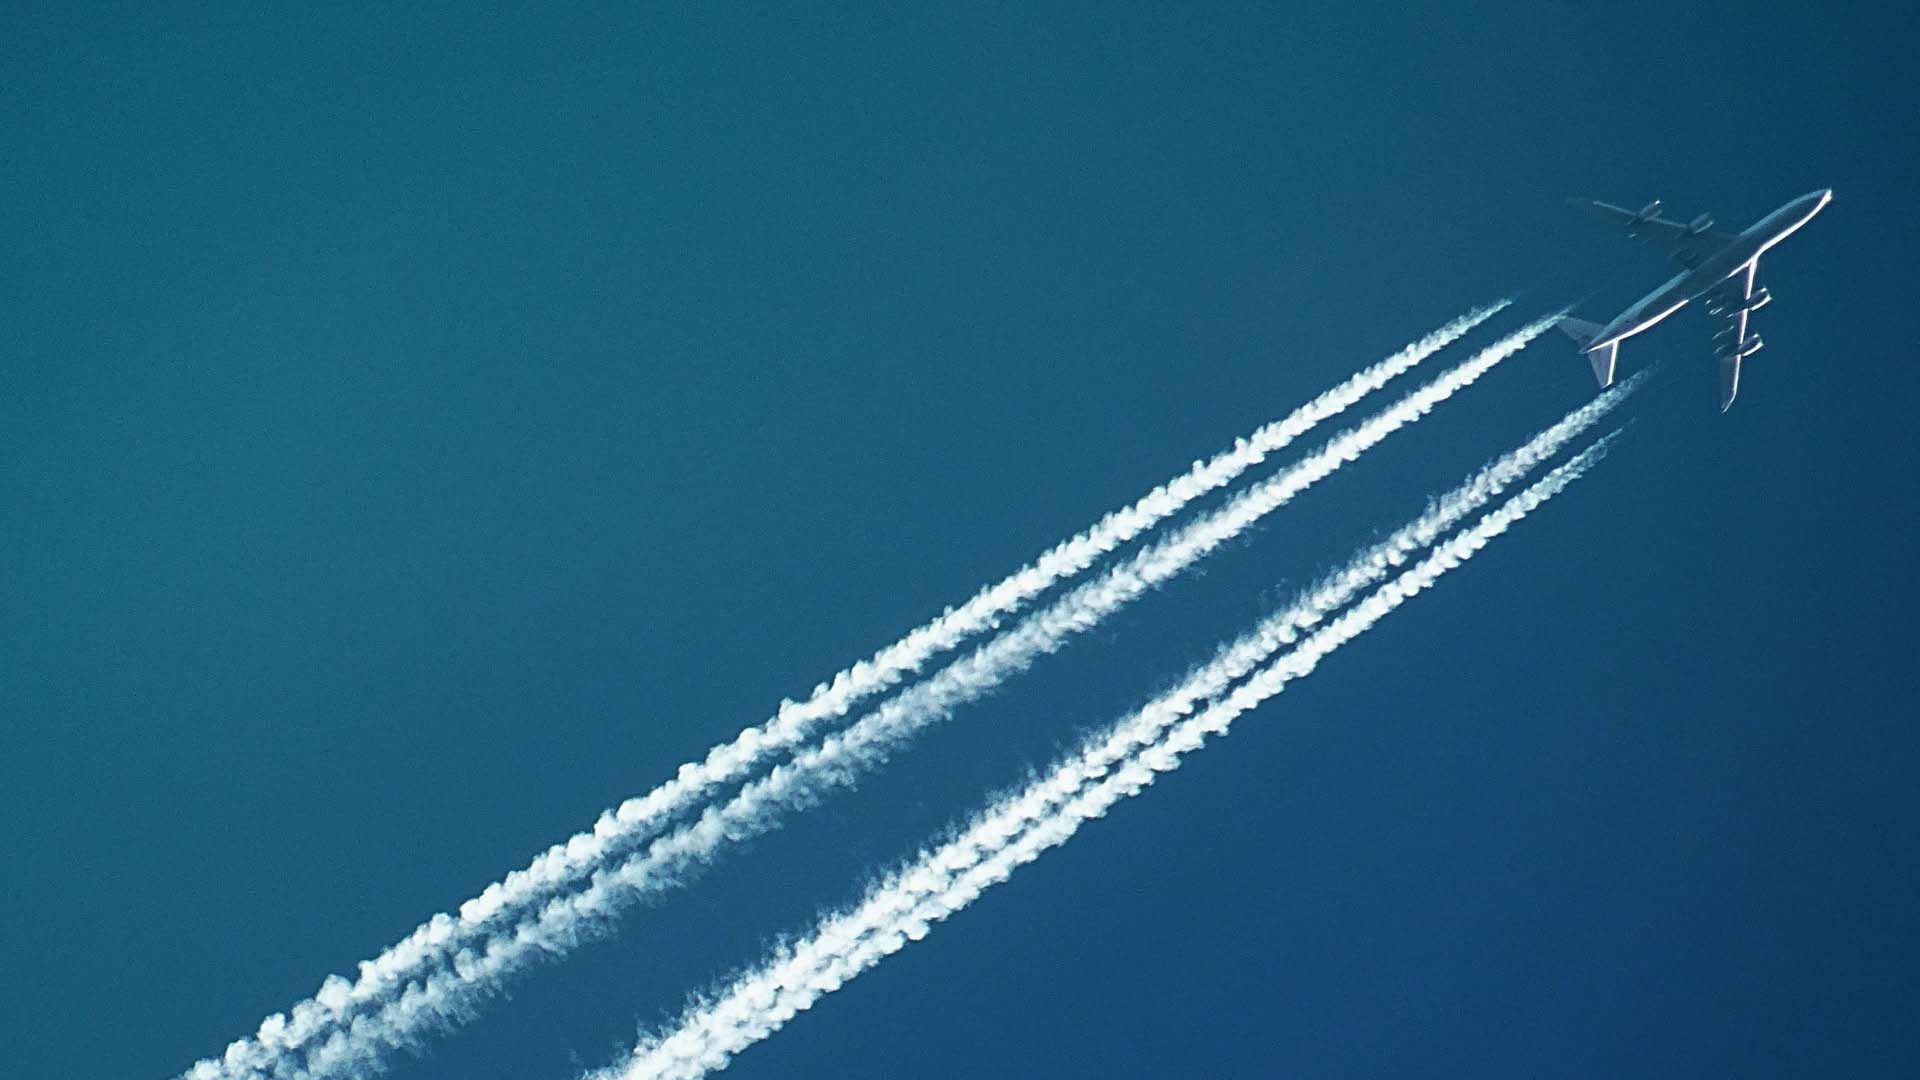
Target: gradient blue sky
pixel 422 429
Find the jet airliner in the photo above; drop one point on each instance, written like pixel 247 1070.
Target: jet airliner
pixel 1722 270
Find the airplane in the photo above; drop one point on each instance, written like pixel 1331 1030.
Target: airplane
pixel 1722 269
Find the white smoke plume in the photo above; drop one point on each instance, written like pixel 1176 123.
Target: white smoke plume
pixel 1119 763
pixel 449 997
pixel 443 936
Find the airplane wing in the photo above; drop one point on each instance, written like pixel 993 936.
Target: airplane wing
pixel 1734 301
pixel 1690 243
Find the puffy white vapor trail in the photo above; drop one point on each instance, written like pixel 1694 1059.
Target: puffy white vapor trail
pixel 443 936
pixel 1118 763
pixel 447 997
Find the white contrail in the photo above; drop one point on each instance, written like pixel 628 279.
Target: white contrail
pixel 1017 829
pixel 444 935
pixel 445 998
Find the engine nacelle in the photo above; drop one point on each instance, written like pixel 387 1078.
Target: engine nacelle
pixel 1647 212
pixel 1752 346
pixel 1760 298
pixel 1700 224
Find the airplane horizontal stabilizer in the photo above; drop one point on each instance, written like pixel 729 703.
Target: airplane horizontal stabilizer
pixel 1583 332
pixel 1580 330
pixel 1603 363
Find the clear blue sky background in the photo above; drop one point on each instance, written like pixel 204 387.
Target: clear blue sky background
pixel 421 429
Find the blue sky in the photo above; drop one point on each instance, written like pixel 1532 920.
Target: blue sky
pixel 424 429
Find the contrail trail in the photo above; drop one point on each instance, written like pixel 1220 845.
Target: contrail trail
pixel 562 865
pixel 446 998
pixel 1017 829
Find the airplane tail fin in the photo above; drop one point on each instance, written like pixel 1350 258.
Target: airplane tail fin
pixel 1583 333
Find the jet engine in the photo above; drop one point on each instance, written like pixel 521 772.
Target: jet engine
pixel 1647 212
pixel 1760 298
pixel 1753 346
pixel 1699 225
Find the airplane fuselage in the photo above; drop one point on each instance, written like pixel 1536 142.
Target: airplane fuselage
pixel 1692 283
